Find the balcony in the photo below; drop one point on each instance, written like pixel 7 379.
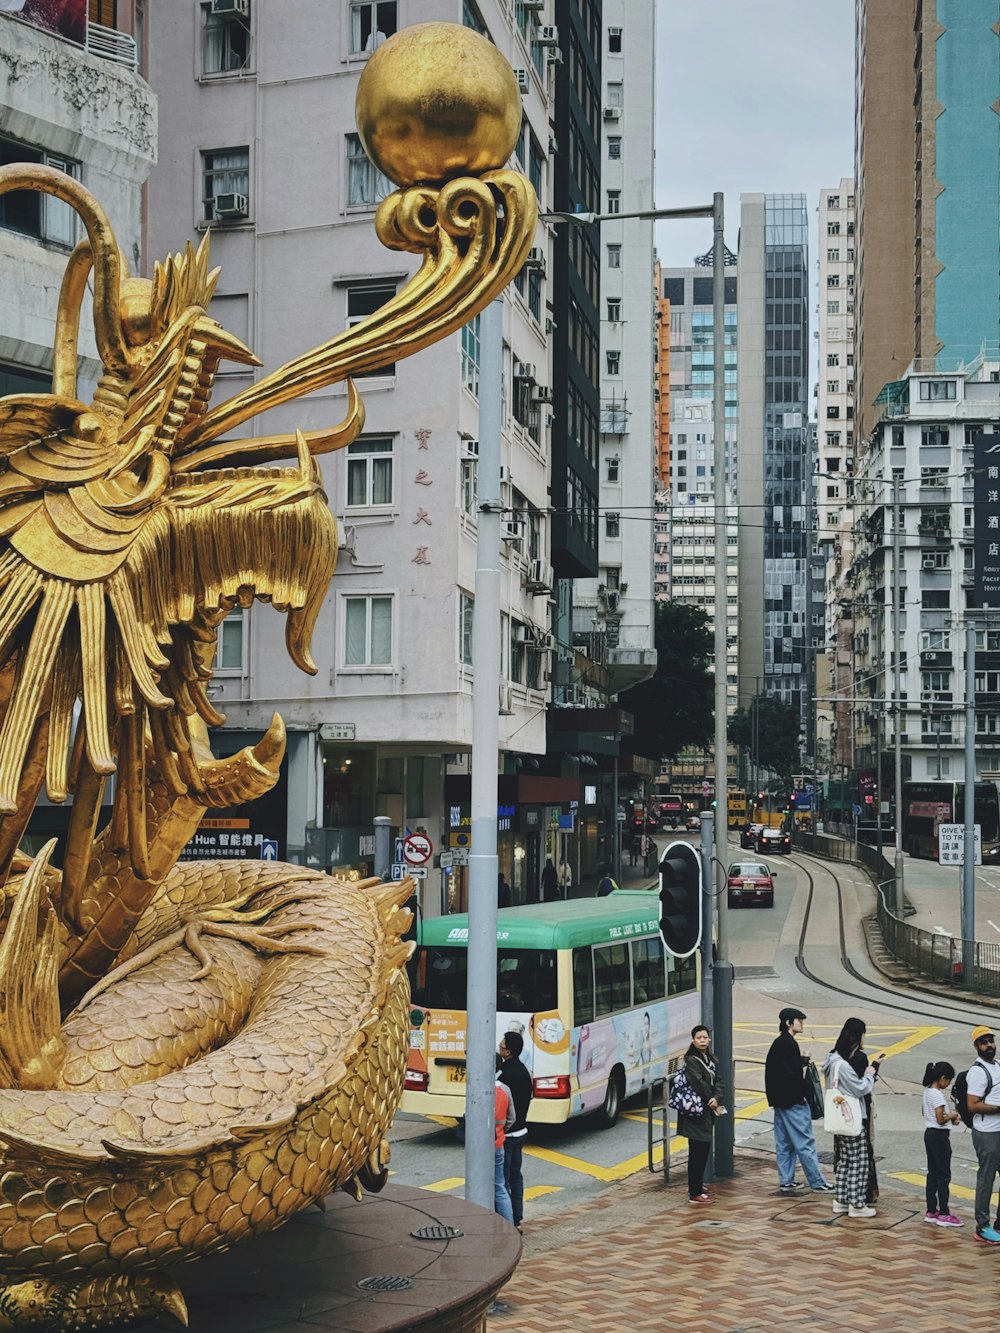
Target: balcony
pixel 108 44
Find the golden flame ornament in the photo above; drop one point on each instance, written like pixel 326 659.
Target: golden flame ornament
pixel 192 1052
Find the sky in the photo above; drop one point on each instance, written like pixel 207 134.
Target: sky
pixel 754 96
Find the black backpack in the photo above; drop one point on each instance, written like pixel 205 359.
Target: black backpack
pixel 960 1093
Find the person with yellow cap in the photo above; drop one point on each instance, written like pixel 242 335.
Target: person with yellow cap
pixel 983 1083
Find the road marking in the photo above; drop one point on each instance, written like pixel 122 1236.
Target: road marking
pixel 912 1178
pixel 537 1191
pixel 449 1183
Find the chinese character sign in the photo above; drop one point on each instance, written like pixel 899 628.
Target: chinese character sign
pixel 986 494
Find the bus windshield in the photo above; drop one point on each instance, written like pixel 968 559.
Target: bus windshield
pixel 526 979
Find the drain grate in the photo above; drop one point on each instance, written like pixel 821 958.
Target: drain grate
pixel 436 1233
pixel 386 1282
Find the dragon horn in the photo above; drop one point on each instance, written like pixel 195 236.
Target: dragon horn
pixel 106 256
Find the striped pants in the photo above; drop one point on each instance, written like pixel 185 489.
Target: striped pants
pixel 852 1170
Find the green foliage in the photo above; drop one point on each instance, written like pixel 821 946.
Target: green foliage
pixel 675 707
pixel 769 729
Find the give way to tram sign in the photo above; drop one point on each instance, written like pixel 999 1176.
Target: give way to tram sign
pixel 417 849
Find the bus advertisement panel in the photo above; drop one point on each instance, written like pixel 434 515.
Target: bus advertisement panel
pixel 602 1008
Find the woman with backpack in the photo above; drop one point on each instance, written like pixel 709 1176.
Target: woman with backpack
pixel 702 1077
pixel 849 1073
pixel 938 1120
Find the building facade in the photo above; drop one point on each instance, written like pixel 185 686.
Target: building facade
pixel 924 439
pixel 260 146
pixel 775 450
pixel 927 83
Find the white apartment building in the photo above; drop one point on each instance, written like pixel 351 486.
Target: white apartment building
pixel 618 605
pixel 836 453
pixel 259 144
pixel 923 439
pixel 73 99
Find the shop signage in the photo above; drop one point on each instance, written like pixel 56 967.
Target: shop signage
pixel 337 731
pixel 986 494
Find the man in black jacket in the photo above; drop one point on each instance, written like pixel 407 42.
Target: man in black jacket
pixel 516 1077
pixel 784 1086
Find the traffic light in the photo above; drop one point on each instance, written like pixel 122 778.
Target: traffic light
pixel 680 899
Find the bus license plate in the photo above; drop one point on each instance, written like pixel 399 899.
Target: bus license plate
pixel 456 1073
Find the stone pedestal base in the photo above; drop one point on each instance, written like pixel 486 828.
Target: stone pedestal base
pixel 306 1276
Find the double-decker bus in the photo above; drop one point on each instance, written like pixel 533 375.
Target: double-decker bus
pixel 737 812
pixel 926 805
pixel 672 811
pixel 602 1006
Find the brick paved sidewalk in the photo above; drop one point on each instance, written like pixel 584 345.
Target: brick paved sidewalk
pixel 642 1259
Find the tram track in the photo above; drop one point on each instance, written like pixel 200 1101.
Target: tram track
pixel 936 1007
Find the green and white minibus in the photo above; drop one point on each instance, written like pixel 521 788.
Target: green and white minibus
pixel 602 1007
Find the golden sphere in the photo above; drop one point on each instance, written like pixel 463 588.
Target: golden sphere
pixel 437 101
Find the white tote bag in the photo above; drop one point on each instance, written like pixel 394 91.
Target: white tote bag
pixel 841 1111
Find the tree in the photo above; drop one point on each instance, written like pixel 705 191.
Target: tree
pixel 769 729
pixel 675 707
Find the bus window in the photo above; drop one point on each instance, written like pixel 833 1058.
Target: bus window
pixel 526 980
pixel 649 975
pixel 583 987
pixel 683 975
pixel 444 971
pixel 612 988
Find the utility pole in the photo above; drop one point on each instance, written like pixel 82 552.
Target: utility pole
pixel 897 700
pixel 969 859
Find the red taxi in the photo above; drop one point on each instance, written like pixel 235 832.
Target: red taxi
pixel 750 883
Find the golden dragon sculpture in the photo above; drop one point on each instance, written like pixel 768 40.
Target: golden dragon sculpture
pixel 192 1052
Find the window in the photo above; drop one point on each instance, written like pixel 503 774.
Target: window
pixel 613 468
pixel 612 980
pixel 615 40
pixel 833 229
pixel 614 146
pixel 471 18
pixel 469 483
pixel 614 309
pixel 465 607
pixel 833 438
pixel 369 471
pixel 612 525
pixel 934 600
pixel 470 355
pixel 833 201
pixel 833 358
pixel 614 201
pixel 32 213
pixel 363 301
pixel 833 307
pixel 649 974
pixel 614 256
pixel 367 631
pixel 614 95
pixel 833 279
pixel 226 185
pixel 832 412
pixel 583 986
pixel 371 24
pixel 934 391
pixel 225 42
pixel 229 643
pixel 614 360
pixel 366 186
pixel 833 386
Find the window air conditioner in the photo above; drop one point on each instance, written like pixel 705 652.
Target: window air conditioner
pixel 523 81
pixel 612 113
pixel 524 370
pixel 236 8
pixel 506 700
pixel 930 564
pixel 548 35
pixel 504 474
pixel 230 207
pixel 535 5
pixel 536 259
pixel 524 634
pixel 541 393
pixel 539 576
pixel 544 641
pixel 512 530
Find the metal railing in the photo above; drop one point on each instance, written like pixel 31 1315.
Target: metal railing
pixel 661 1110
pixel 109 44
pixel 930 954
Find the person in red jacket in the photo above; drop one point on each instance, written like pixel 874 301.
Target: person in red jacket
pixel 503 1119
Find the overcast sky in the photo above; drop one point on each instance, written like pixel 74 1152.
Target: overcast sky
pixel 750 97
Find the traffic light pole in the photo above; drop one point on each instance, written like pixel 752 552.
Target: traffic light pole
pixel 707 914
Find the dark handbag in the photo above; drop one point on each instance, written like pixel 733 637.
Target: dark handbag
pixel 813 1091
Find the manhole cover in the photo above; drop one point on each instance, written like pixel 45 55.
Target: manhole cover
pixel 436 1233
pixel 719 1224
pixel 386 1282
